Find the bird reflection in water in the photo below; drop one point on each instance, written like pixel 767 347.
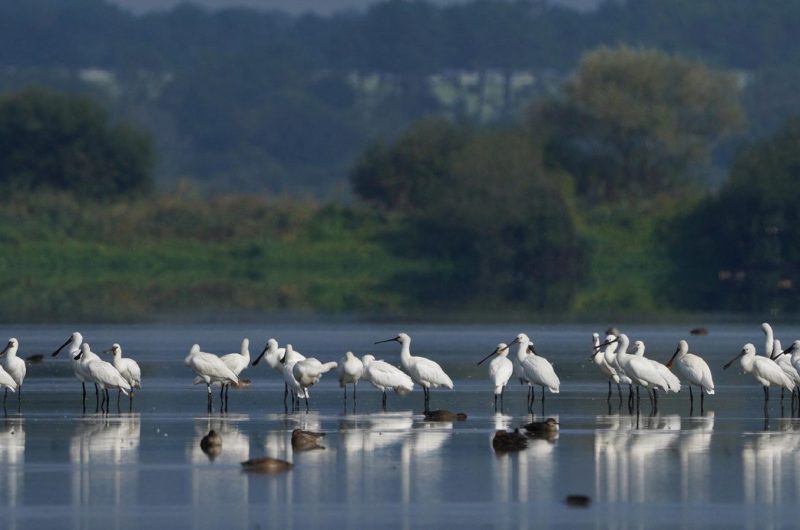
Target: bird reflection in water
pixel 12 460
pixel 769 461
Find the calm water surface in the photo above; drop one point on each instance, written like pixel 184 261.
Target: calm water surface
pixel 61 468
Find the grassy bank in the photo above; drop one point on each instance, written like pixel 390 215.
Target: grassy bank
pixel 179 256
pixel 63 260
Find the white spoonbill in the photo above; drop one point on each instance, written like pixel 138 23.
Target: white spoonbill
pixel 289 359
pixel 769 339
pixel 500 371
pixel 599 359
pixel 694 370
pixel 350 370
pixel 610 357
pixel 6 381
pixel 210 368
pixel 101 373
pixel 15 367
pixel 128 369
pixel 673 383
pixel 383 376
pixel 237 362
pixel 274 357
pixel 641 371
pixel 308 373
pixel 765 371
pixel 784 360
pixel 537 369
pixel 426 373
pixel 74 341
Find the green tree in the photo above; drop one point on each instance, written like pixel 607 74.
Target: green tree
pixel 633 123
pixel 740 249
pixel 482 205
pixel 55 141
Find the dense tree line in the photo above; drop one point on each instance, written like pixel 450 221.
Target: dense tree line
pixel 256 100
pixel 51 141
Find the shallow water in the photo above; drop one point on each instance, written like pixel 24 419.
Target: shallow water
pixel 61 468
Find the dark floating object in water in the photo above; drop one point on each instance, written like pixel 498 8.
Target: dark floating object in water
pixel 444 415
pixel 698 331
pixel 266 465
pixel 211 444
pixel 505 441
pixel 36 358
pixel 306 440
pixel 550 425
pixel 578 501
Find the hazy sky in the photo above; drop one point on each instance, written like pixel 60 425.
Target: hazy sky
pixel 294 6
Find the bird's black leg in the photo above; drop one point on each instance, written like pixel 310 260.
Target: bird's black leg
pixel 609 391
pixel 383 401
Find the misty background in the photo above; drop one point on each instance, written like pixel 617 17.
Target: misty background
pixel 481 158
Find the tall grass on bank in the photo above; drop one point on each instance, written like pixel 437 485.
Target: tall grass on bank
pixel 170 254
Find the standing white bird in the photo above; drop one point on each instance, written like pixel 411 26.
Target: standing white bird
pixel 274 357
pixel 383 376
pixel 673 383
pixel 128 369
pixel 641 371
pixel 6 381
pixel 784 360
pixel 599 359
pixel 765 371
pixel 237 362
pixel 74 341
pixel 426 373
pixel 308 373
pixel 537 369
pixel 101 373
pixel 694 370
pixel 769 339
pixel 350 370
pixel 289 359
pixel 15 367
pixel 210 368
pixel 500 371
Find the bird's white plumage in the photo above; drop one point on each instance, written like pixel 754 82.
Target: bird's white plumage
pixel 784 360
pixel 350 369
pixel 537 370
pixel 209 367
pixel 692 368
pixel 309 371
pixel 764 370
pixel 423 371
pixel 673 383
pixel 641 371
pixel 127 367
pixel 291 358
pixel 237 362
pixel 384 376
pixel 100 372
pixel 6 380
pixel 500 368
pixel 13 365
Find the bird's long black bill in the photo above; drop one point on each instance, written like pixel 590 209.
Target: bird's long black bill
pixel 387 340
pixel 61 347
pixel 260 355
pixel 484 359
pixel 732 361
pixel 678 349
